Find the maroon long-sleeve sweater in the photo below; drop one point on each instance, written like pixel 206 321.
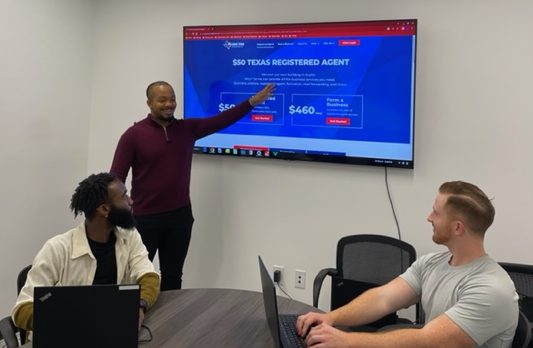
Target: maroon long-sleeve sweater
pixel 160 158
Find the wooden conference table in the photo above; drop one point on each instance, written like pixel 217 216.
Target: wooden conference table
pixel 212 318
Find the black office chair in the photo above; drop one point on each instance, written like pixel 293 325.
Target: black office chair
pixel 21 280
pixel 522 276
pixel 522 336
pixel 8 333
pixel 363 262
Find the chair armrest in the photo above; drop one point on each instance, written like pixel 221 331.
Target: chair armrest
pixel 317 283
pixel 8 332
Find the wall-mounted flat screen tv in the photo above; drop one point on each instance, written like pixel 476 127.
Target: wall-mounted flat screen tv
pixel 345 91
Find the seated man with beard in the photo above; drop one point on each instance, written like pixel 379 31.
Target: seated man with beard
pixel 103 249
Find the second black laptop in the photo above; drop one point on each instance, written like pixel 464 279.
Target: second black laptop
pixel 282 327
pixel 86 316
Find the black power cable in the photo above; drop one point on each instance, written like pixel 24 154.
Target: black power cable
pixel 392 204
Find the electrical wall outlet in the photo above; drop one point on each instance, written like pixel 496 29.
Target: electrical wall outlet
pixel 299 279
pixel 282 275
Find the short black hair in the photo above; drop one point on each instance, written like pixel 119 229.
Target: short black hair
pixel 91 193
pixel 153 84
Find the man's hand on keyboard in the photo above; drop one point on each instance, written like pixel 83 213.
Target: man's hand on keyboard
pixel 326 336
pixel 307 321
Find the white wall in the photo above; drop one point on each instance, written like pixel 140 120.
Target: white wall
pixel 473 119
pixel 44 119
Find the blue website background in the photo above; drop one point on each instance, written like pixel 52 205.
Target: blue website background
pixel 363 95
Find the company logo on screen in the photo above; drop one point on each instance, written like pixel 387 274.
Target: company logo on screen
pixel 228 44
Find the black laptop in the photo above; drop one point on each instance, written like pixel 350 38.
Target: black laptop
pixel 86 316
pixel 282 327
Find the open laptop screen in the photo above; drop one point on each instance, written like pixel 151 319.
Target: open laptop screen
pixel 270 302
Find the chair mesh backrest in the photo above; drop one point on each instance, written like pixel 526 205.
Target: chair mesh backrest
pixel 372 258
pixel 522 276
pixel 523 283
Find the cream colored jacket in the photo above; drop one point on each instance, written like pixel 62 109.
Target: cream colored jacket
pixel 66 259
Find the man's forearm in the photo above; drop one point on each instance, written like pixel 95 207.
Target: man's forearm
pixel 441 332
pixel 366 308
pixel 375 303
pixel 402 338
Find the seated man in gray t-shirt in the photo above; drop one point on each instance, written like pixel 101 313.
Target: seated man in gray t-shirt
pixel 468 299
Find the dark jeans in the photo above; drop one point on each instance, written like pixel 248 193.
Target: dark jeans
pixel 170 234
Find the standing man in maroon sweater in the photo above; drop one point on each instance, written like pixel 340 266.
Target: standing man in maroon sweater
pixel 159 151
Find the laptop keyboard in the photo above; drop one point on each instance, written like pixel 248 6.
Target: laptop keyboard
pixel 288 324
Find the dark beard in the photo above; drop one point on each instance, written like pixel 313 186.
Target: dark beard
pixel 121 218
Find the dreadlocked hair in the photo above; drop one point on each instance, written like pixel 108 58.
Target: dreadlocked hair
pixel 90 194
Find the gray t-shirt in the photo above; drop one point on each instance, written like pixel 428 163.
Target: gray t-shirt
pixel 479 297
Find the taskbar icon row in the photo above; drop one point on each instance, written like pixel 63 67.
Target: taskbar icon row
pixel 248 152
